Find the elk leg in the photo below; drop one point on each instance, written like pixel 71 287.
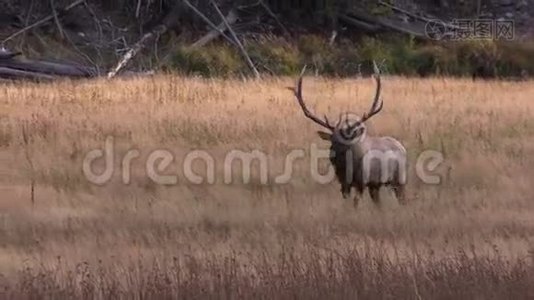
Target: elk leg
pixel 400 193
pixel 358 195
pixel 356 199
pixel 345 191
pixel 374 191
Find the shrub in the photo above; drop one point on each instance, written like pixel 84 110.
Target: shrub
pixel 274 55
pixel 216 60
pixel 397 55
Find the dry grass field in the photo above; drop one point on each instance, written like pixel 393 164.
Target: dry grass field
pixel 62 237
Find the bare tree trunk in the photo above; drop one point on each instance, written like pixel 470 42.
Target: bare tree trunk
pixel 169 21
pixel 159 30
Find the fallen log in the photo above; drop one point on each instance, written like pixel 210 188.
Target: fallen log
pixel 8 54
pixel 8 73
pixel 373 24
pixel 49 68
pixel 359 24
pixel 415 16
pixel 401 27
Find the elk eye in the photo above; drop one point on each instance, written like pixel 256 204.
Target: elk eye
pixel 355 130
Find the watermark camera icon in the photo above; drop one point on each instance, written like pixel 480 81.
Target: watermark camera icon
pixel 435 29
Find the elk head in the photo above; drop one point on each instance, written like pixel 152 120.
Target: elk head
pixel 348 130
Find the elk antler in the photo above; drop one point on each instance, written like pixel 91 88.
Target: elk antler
pixel 378 104
pixel 307 113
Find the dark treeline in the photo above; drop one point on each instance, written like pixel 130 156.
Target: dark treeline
pixel 338 37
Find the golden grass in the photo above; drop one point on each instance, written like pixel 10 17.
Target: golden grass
pixel 468 237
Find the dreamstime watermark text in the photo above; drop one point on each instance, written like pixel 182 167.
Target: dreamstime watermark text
pixel 100 166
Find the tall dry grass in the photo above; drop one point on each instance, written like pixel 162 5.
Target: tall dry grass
pixel 61 237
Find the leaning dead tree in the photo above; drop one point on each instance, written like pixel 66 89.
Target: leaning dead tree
pixel 168 22
pixel 171 20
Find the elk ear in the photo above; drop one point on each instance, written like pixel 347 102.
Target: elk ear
pixel 324 135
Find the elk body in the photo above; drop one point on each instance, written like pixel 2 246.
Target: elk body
pixel 362 161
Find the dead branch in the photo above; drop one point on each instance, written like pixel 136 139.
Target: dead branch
pixel 43 20
pixel 231 18
pixel 273 15
pixel 26 21
pixel 159 30
pixel 162 28
pixel 238 42
pixel 413 15
pixel 411 29
pixel 372 23
pixel 370 27
pixel 208 21
pixel 332 38
pixel 169 21
pixel 28 155
pixel 8 54
pixel 56 19
pixel 138 9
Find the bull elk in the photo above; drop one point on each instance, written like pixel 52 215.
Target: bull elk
pixel 362 161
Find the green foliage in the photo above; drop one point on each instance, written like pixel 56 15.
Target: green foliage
pixel 381 10
pixel 275 55
pixel 211 61
pixel 316 51
pixel 516 57
pixel 397 55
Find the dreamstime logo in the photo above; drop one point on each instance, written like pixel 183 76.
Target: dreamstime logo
pixel 99 166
